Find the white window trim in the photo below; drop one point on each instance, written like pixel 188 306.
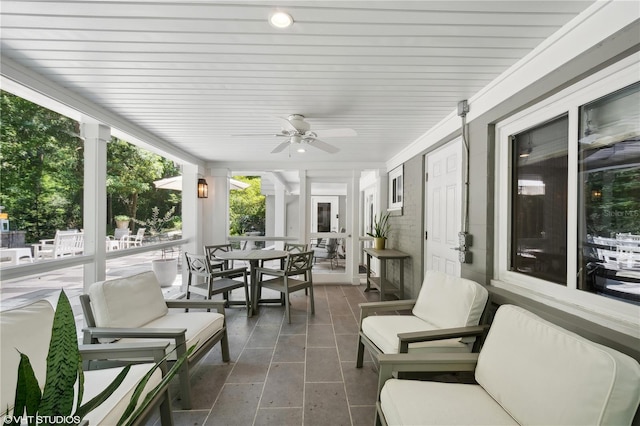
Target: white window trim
pixel 611 313
pixel 395 177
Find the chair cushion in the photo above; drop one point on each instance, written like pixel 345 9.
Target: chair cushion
pixel 447 301
pixel 543 374
pixel 109 412
pixel 383 332
pixel 200 327
pixel 26 329
pixel 127 302
pixel 414 402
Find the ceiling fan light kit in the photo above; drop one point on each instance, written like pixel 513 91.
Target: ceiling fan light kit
pixel 280 19
pixel 298 131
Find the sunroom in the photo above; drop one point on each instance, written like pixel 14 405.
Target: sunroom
pixel 501 138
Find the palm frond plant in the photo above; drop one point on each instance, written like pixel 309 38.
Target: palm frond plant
pixel 380 231
pixel 64 369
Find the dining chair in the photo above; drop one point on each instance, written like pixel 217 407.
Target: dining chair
pixel 211 250
pixel 295 276
pixel 215 282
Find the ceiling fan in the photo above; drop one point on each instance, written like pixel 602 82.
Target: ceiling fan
pixel 298 133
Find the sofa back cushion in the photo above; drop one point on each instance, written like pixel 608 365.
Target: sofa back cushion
pixel 26 329
pixel 127 302
pixel 447 301
pixel 543 374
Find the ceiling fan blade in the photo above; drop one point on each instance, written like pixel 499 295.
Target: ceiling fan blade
pixel 335 133
pixel 259 134
pixel 280 147
pixel 322 145
pixel 286 125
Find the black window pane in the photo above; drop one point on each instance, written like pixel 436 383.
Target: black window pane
pixel 609 196
pixel 539 201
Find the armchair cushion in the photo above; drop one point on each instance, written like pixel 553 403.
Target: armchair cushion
pixel 109 412
pixel 592 384
pixel 383 331
pixel 405 402
pixel 447 301
pixel 143 304
pixel 200 327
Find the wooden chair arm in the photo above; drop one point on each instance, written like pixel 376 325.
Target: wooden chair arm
pixel 116 332
pixel 368 308
pixel 196 304
pixel 424 362
pixel 155 351
pixel 441 334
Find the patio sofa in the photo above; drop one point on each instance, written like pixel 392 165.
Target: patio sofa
pixel 529 371
pixel 133 310
pixel 28 329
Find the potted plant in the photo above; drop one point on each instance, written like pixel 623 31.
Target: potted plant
pixel 166 269
pixel 122 221
pixel 380 232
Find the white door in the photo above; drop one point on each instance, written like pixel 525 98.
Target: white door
pixel 443 208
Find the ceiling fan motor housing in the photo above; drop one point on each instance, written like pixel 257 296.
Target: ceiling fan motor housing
pixel 298 122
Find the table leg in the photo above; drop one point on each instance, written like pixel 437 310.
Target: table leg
pixel 254 286
pixel 383 277
pixel 401 279
pixel 368 272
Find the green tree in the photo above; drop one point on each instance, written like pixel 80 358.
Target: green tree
pixel 42 168
pixel 247 207
pixel 130 172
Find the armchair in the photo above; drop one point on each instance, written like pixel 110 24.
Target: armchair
pixel 132 309
pixel 28 329
pixel 529 371
pixel 444 318
pixel 127 241
pixel 329 251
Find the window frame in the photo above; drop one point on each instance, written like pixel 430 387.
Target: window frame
pixel 396 187
pixel 567 101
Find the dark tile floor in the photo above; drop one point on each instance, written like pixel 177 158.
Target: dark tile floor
pixel 301 373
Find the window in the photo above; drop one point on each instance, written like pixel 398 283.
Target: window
pixel 567 219
pixel 539 198
pixel 609 195
pixel 396 188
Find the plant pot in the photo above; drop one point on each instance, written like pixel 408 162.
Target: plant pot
pixel 379 243
pixel 166 271
pixel 122 224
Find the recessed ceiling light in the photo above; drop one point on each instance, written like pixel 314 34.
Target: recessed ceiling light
pixel 280 20
pixel 302 149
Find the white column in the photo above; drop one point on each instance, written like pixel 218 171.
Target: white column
pixel 192 214
pixel 280 214
pixel 303 205
pixel 96 136
pixel 216 212
pixel 353 249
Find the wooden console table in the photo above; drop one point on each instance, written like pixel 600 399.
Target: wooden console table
pixel 382 283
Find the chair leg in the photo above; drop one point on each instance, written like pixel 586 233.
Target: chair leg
pixel 360 357
pixel 185 389
pixel 313 303
pixel 224 346
pixel 288 306
pixel 166 415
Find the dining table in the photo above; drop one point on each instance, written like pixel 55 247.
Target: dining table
pixel 254 257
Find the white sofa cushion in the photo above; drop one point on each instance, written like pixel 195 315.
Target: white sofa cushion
pixel 447 301
pixel 383 332
pixel 26 329
pixel 200 327
pixel 127 302
pixel 413 402
pixel 110 411
pixel 543 374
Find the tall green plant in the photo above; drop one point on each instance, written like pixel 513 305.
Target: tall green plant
pixel 64 368
pixel 380 227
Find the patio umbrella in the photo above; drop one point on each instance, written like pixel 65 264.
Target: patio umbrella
pixel 175 183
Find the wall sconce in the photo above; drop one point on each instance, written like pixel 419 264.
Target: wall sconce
pixel 203 188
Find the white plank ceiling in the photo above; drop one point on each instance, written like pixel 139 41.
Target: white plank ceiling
pixel 195 73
